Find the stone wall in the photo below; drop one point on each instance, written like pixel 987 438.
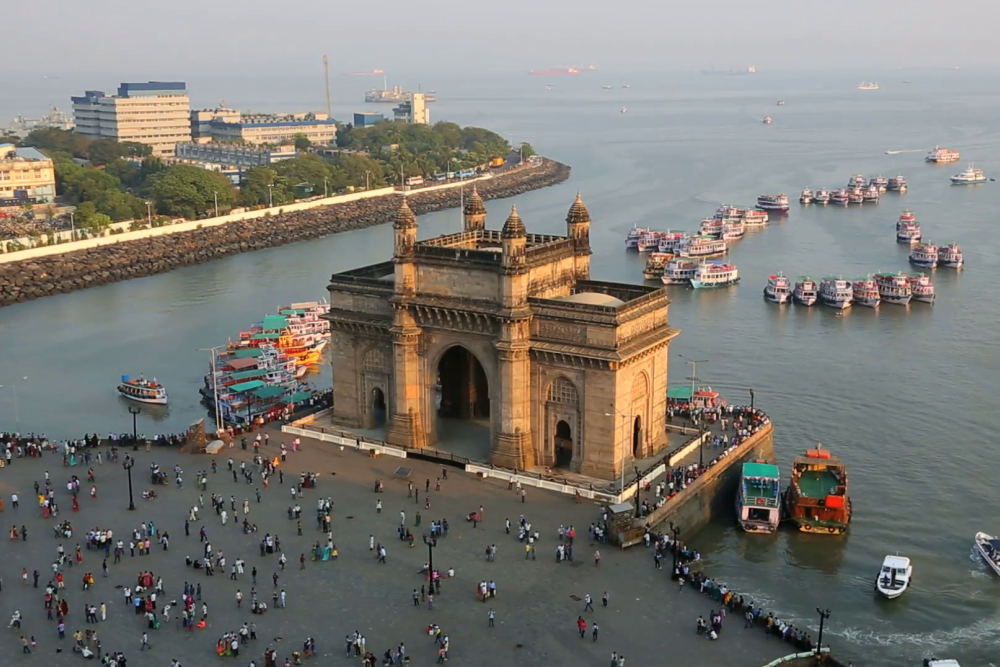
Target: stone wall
pixel 68 272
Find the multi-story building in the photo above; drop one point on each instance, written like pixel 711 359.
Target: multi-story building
pixel 201 121
pixel 26 176
pixel 367 118
pixel 231 155
pixel 155 113
pixel 415 111
pixel 272 129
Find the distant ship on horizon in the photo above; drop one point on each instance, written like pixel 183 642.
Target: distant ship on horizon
pixel 374 72
pixel 558 71
pixel 731 72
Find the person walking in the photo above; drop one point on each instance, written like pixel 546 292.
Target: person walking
pixel 145 642
pixel 604 599
pixel 597 558
pixel 581 625
pixel 594 633
pixel 491 615
pixel 378 506
pixel 588 603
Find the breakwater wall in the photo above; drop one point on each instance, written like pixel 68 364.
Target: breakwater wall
pixel 61 273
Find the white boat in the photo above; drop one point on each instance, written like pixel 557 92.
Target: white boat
pixel 924 255
pixel 935 662
pixel 624 110
pixel 922 287
pixel 711 227
pixel 970 176
pixel 732 230
pixel 715 274
pixel 950 256
pixel 633 236
pixel 754 218
pixel 767 120
pixel 805 291
pixel 894 288
pixel 867 86
pixel 679 272
pixel 865 292
pixel 777 289
pixel 777 202
pixel 939 154
pixel 908 232
pixel 836 293
pixel 806 197
pixel 702 247
pixel 822 196
pixel 758 501
pixel 896 184
pixel 989 548
pixel 894 577
pixel 142 390
pixel 670 241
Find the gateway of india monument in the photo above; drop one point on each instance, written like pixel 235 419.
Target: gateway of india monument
pixel 504 332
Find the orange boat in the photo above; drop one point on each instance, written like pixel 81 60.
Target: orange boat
pixel 816 499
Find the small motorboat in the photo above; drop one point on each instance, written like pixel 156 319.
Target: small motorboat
pixel 989 548
pixel 939 662
pixel 894 577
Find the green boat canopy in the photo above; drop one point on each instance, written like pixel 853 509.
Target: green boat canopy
pixel 293 311
pixel 299 396
pixel 761 470
pixel 247 386
pixel 246 375
pixel 265 336
pixel 269 392
pixel 679 393
pixel 275 323
pixel 249 352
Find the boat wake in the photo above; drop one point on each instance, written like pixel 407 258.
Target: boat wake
pixel 907 150
pixel 983 633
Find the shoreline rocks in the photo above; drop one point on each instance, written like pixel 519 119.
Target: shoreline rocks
pixel 67 272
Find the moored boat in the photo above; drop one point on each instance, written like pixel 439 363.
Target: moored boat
pixel 777 289
pixel 941 155
pixel 924 255
pixel 856 196
pixel 906 216
pixel 988 548
pixel 648 241
pixel 633 236
pixel 816 499
pixel 670 241
pixel 857 181
pixel 754 218
pixel 679 271
pixel 711 227
pixel 894 577
pixel 715 274
pixel 896 184
pixel 733 229
pixel 865 292
pixel 777 202
pixel 908 232
pixel 894 288
pixel 871 194
pixel 922 287
pixel 806 197
pixel 758 501
pixel 822 196
pixel 655 264
pixel 880 182
pixel 142 390
pixel 836 293
pixel 950 256
pixel 702 247
pixel 806 291
pixel 970 176
pixel 841 196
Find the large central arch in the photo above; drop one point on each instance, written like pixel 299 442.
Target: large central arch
pixel 462 403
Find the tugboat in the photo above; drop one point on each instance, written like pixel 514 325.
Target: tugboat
pixel 679 272
pixel 142 390
pixel 921 287
pixel 805 291
pixel 970 176
pixel 816 499
pixel 865 292
pixel 806 197
pixel 777 289
pixel 894 288
pixel 897 184
pixel 836 293
pixel 773 202
pixel 941 155
pixel 758 503
pixel 655 264
pixel 950 256
pixel 715 274
pixel 924 255
pixel 822 197
pixel 841 196
pixel 908 232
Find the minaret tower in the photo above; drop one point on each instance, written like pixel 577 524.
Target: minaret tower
pixel 578 229
pixel 474 212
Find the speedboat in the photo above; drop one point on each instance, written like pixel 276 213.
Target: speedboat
pixel 767 120
pixel 894 578
pixel 989 548
pixel 970 176
pixel 142 390
pixel 777 289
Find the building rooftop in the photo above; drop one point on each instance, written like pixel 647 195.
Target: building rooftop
pixel 593 299
pixel 10 152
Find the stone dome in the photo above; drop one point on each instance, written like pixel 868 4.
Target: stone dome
pixel 514 227
pixel 474 203
pixel 578 211
pixel 405 217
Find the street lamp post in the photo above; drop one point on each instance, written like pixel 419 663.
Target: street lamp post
pixel 149 212
pixel 676 532
pixel 824 614
pixel 13 390
pixel 701 444
pixel 270 195
pixel 637 482
pixel 127 464
pixel 216 196
pixel 325 191
pixel 431 543
pixel 751 399
pixel 135 436
pixel 72 227
pixel 368 185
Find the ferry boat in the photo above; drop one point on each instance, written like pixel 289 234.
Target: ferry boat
pixel 777 289
pixel 822 197
pixel 970 176
pixel 754 218
pixel 880 182
pixel 670 241
pixel 950 256
pixel 633 236
pixel 988 548
pixel 841 196
pixel 142 390
pixel 894 577
pixel 773 202
pixel 702 247
pixel 857 181
pixel 896 184
pixel 816 499
pixel 867 86
pixel 894 288
pixel 734 229
pixel 655 264
pixel 865 292
pixel 679 271
pixel 758 502
pixel 908 232
pixel 711 227
pixel 806 197
pixel 924 255
pixel 836 293
pixel 648 242
pixel 806 291
pixel 871 195
pixel 921 287
pixel 906 216
pixel 767 120
pixel 856 196
pixel 941 155
pixel 715 274
pixel 249 369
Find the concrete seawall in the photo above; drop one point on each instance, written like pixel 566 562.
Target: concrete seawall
pixel 29 279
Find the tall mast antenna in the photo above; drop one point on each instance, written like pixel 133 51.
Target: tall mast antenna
pixel 326 75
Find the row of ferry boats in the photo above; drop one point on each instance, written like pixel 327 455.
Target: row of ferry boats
pixel 840 293
pixel 927 255
pixel 859 190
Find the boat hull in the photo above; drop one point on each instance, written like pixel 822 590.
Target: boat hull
pixel 837 305
pixel 806 527
pixel 758 527
pixel 147 401
pixel 981 539
pixel 775 298
pixel 697 284
pixel 897 300
pixel 923 263
pixel 925 298
pixel 867 303
pixel 890 593
pixel 951 264
pixel 965 182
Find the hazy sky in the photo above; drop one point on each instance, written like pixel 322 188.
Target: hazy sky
pixel 175 38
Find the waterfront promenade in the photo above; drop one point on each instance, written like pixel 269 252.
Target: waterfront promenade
pixel 536 607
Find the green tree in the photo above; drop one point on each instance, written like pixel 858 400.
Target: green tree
pixel 254 190
pixel 302 142
pixel 186 191
pixel 105 151
pixel 10 139
pixel 345 135
pixel 63 141
pixel 124 171
pixel 97 223
pixel 527 150
pixel 150 166
pixel 361 170
pixel 307 169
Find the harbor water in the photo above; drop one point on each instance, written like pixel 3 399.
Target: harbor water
pixel 902 395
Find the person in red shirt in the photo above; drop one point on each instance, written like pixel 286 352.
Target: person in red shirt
pixel 581 625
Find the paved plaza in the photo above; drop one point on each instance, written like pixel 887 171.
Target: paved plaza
pixel 536 606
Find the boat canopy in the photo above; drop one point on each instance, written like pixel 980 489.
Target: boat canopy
pixel 248 352
pixel 246 375
pixel 896 562
pixel 250 385
pixel 294 311
pixel 761 470
pixel 299 396
pixel 275 323
pixel 239 364
pixel 265 336
pixel 679 393
pixel 269 392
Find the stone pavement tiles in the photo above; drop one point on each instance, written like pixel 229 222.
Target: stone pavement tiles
pixel 647 619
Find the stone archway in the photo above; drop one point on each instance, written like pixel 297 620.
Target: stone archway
pixel 563 442
pixel 636 437
pixel 563 445
pixel 462 408
pixel 378 408
pixel 375 382
pixel 640 414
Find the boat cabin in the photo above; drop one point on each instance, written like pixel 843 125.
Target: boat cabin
pixel 706 399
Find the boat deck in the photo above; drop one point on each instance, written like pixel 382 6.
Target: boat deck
pixel 817 483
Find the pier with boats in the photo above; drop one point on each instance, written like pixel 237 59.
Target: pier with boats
pixel 859 190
